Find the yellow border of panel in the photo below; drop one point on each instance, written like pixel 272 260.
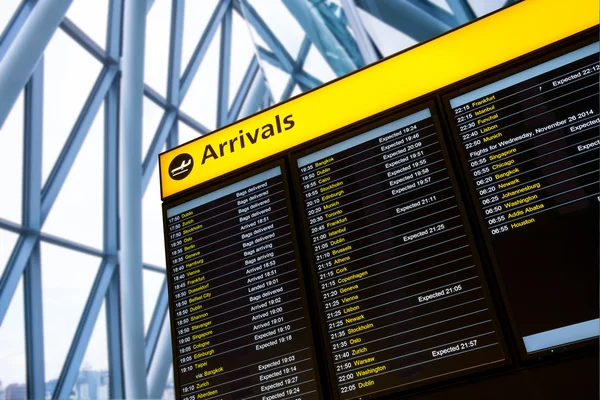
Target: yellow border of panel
pixel 501 37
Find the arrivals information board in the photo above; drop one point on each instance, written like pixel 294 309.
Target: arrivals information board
pixel 390 229
pixel 239 313
pixel 402 294
pixel 531 144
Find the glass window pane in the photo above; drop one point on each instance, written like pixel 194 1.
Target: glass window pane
pixel 281 22
pixel 186 133
pixel 150 122
pixel 11 160
pixel 258 40
pixel 152 284
pixel 12 348
pixel 156 63
pixel 482 7
pixel 67 278
pixel 242 51
pixel 195 20
pixel 7 243
pixel 153 248
pixel 316 65
pixel 296 91
pixel 92 380
pixel 387 39
pixel 7 9
pixel 91 17
pixel 69 75
pixel 443 4
pixel 276 79
pixel 200 102
pixel 77 212
pixel 169 393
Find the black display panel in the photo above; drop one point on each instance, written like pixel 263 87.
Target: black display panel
pixel 238 308
pixel 529 145
pixel 402 297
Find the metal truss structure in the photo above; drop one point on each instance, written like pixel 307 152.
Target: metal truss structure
pixel 335 28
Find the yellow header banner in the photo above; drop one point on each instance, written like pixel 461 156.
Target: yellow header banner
pixel 501 37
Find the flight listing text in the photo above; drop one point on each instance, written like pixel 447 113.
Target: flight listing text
pixel 240 327
pixel 402 298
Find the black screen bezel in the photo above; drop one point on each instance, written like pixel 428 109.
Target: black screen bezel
pixel 527 61
pixel 227 180
pixel 349 132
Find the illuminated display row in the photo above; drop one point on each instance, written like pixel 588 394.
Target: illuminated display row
pixel 531 145
pixel 402 297
pixel 238 307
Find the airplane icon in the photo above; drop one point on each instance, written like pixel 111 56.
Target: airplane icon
pixel 182 168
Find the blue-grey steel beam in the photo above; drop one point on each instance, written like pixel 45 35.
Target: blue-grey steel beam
pixel 175 49
pixel 156 386
pixel 110 228
pixel 111 206
pixel 14 270
pixel 255 97
pixel 154 268
pixel 114 338
pixel 156 97
pixel 365 46
pixel 25 231
pixel 192 123
pixel 305 80
pixel 436 12
pixel 335 20
pixel 406 17
pixel 105 276
pixel 174 72
pixel 85 328
pixel 14 25
pixel 113 31
pixel 162 102
pixel 164 128
pixel 32 218
pixel 267 100
pixel 34 326
pixel 130 197
pixel 224 68
pixel 156 322
pixel 288 90
pixel 170 116
pixel 149 4
pixel 163 132
pixel 271 58
pixel 26 50
pixel 112 303
pixel 67 244
pixel 161 362
pixel 25 244
pixel 301 58
pixel 281 54
pixel 86 42
pixel 321 36
pixel 173 138
pixel 202 47
pixel 243 90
